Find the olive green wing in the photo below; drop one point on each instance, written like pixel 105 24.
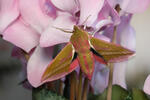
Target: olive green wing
pixel 63 64
pixel 109 52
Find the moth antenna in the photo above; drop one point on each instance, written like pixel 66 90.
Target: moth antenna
pixel 61 29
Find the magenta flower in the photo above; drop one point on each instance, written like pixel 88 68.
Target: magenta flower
pixel 147 85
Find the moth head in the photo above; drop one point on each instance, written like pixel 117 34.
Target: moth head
pixel 77 30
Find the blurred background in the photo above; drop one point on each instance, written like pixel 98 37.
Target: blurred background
pixel 136 72
pixel 139 67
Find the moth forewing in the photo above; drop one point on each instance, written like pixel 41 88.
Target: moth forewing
pixel 110 51
pixel 61 65
pixel 85 48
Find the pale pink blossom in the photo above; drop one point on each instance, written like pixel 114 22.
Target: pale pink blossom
pixel 147 85
pixel 9 12
pixel 32 24
pixel 81 15
pixel 66 17
pixel 28 23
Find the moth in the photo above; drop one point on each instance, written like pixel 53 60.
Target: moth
pixel 83 50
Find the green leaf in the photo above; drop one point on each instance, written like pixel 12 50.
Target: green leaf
pixel 139 94
pixel 45 94
pixel 93 97
pixel 118 93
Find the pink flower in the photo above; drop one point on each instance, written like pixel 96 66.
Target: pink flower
pixel 77 14
pixel 8 13
pixel 67 16
pixel 147 85
pixel 29 24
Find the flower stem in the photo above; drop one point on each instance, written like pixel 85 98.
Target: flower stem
pixel 51 86
pixel 85 89
pixel 76 84
pixel 61 88
pixel 109 92
pixel 79 86
pixel 73 86
pixel 111 66
pixel 25 55
pixel 114 35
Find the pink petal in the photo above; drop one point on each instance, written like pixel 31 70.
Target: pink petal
pixel 37 64
pixel 102 37
pixel 21 35
pixel 126 32
pixel 89 9
pixel 147 85
pixel 66 5
pixel 32 12
pixel 131 6
pixel 130 35
pixel 48 8
pixel 103 23
pixel 8 13
pixel 52 36
pixel 108 13
pixel 119 74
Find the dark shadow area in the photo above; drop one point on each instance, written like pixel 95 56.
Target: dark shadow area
pixel 10 75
